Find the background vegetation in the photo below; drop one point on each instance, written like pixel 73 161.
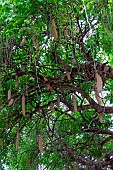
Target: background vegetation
pixel 50 54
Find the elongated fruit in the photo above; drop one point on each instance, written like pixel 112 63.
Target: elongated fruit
pixel 40 143
pixel 23 105
pixel 9 98
pixel 17 139
pixel 23 41
pixel 74 103
pixel 67 37
pixel 35 42
pixel 16 81
pixel 68 75
pixel 99 100
pixel 99 83
pixel 54 30
pixel 100 117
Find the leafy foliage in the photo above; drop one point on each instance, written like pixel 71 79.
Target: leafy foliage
pixel 48 71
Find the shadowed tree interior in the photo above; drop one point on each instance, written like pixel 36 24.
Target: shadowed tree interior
pixel 56 84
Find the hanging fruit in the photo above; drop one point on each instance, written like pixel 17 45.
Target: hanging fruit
pixel 99 83
pixel 10 102
pixel 22 68
pixel 67 37
pixel 16 81
pixel 17 139
pixel 23 41
pixel 68 75
pixel 100 118
pixel 54 30
pixel 35 42
pixel 40 143
pixel 98 98
pixel 9 94
pixel 23 105
pixel 74 103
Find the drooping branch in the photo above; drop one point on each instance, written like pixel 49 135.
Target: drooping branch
pixel 99 131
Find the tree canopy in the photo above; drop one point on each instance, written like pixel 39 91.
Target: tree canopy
pixel 56 84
